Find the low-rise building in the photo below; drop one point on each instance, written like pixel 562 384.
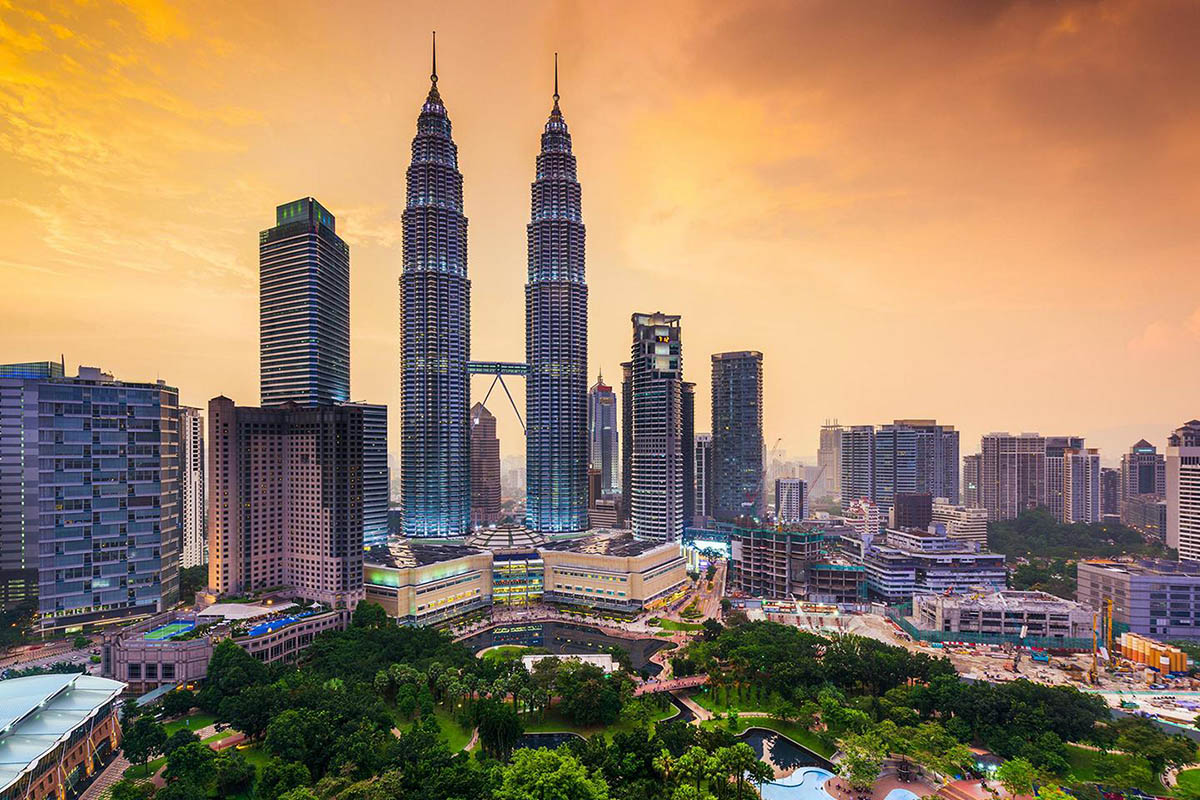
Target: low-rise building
pixel 960 522
pixel 612 570
pixel 1146 514
pixel 423 583
pixel 1008 613
pixel 56 732
pixel 1158 597
pixel 902 564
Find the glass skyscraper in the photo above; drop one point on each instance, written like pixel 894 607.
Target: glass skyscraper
pixel 304 308
pixel 556 437
pixel 435 335
pixel 737 431
pixel 656 493
pixel 602 436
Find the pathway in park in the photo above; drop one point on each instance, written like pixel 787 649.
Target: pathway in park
pixel 110 775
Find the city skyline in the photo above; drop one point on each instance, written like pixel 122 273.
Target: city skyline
pixel 100 219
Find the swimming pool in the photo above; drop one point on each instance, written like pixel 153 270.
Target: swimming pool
pixel 902 794
pixel 807 783
pixel 276 624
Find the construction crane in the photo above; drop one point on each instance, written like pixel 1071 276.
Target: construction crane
pixel 753 495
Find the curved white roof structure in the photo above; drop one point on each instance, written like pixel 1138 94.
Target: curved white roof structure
pixel 39 712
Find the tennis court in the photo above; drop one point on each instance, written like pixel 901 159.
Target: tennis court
pixel 164 632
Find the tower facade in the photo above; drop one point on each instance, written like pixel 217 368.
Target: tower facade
pixel 656 468
pixel 1183 490
pixel 737 417
pixel 304 308
pixel 602 436
pixel 829 461
pixel 556 437
pixel 435 335
pixel 192 505
pixel 1012 473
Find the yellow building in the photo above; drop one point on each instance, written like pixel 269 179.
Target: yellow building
pixel 1142 650
pixel 422 584
pixel 612 570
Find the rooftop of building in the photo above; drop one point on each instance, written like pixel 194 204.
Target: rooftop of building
pixel 39 712
pixel 1011 599
pixel 506 538
pixel 407 553
pixel 605 542
pixel 1148 566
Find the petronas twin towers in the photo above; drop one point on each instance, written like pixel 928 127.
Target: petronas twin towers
pixel 435 322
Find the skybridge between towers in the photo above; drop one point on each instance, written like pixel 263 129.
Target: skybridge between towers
pixel 499 369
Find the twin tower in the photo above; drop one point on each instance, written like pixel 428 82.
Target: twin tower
pixel 435 323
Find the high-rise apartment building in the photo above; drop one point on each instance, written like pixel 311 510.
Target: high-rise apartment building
pixel 604 454
pixel 737 431
pixel 192 506
pixel 1081 485
pixel 285 500
pixel 89 497
pixel 304 307
pixel 791 501
pixel 485 468
pixel 1056 447
pixel 656 468
pixel 1183 491
pixel 626 436
pixel 829 461
pixel 687 444
pixel 1110 491
pixel 1143 472
pixel 1012 473
pixel 435 332
pixel 556 318
pixel 702 452
pixel 903 457
pixel 970 481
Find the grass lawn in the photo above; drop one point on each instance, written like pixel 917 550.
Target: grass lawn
pixel 195 721
pixel 454 734
pixel 709 698
pixel 672 625
pixel 555 722
pixel 797 733
pixel 664 634
pixel 1083 768
pixel 1189 780
pixel 506 652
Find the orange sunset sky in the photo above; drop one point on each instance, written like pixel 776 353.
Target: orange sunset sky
pixel 983 212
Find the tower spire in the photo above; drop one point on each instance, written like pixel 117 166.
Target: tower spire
pixel 556 80
pixel 433 74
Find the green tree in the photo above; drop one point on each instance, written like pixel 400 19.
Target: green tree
pixel 178 702
pixel 232 771
pixel 548 775
pixel 280 777
pixel 862 758
pixel 129 789
pixel 178 739
pixel 231 670
pixel 1017 776
pixel 191 763
pixel 143 739
pixel 250 710
pixel 500 728
pixel 369 615
pixel 693 765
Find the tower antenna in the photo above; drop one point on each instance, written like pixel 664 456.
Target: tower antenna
pixel 433 74
pixel 556 79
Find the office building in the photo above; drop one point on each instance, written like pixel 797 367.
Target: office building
pixel 934 456
pixel 422 583
pixel 1143 473
pixel 285 497
pixel 556 318
pixel 1110 492
pixel 858 464
pixel 485 468
pixel 912 511
pixel 829 461
pixel 604 453
pixel 791 501
pixel 192 506
pixel 656 492
pixel 1183 491
pixel 1146 514
pixel 31 370
pixel 962 523
pixel 1081 485
pixel 1155 597
pixel 613 570
pixel 435 335
pixel 89 498
pixel 304 307
pixel 376 481
pixel 1012 474
pixel 626 436
pixel 1007 613
pixel 902 564
pixel 970 481
pixel 737 430
pixel 702 453
pixel 56 733
pixel 1055 483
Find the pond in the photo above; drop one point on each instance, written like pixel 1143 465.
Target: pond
pixel 562 638
pixel 782 751
pixel 547 741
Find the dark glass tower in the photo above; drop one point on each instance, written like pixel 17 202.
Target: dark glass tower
pixel 556 440
pixel 304 308
pixel 435 335
pixel 737 392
